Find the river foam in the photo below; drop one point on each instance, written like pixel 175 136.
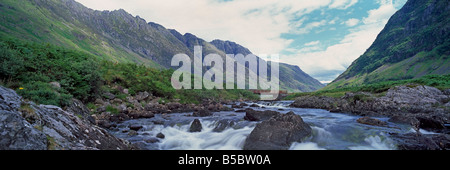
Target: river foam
pixel 178 138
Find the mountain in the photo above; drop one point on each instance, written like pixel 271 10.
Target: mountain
pixel 415 42
pixel 114 35
pixel 292 78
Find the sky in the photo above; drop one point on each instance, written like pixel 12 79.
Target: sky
pixel 322 37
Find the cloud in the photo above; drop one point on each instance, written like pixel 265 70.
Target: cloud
pixel 342 4
pixel 352 22
pixel 309 27
pixel 312 43
pixel 327 64
pixel 382 14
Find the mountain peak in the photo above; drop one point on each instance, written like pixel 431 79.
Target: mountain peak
pixel 230 47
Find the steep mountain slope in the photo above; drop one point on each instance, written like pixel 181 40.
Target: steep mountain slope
pixel 414 43
pixel 113 35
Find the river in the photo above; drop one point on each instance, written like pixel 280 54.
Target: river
pixel 331 131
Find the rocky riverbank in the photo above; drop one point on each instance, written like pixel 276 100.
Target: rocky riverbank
pixel 112 109
pixel 25 125
pixel 421 106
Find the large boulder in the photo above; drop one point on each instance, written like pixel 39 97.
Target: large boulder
pixel 25 125
pixel 278 133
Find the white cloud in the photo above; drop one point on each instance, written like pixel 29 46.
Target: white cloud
pixel 309 27
pixel 336 58
pixel 342 4
pixel 312 43
pixel 382 14
pixel 352 22
pixel 333 21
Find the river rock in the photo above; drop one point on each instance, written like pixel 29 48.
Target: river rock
pixel 135 127
pixel 253 115
pixel 371 121
pixel 196 126
pixel 136 114
pixel 223 124
pixel 160 135
pixel 142 96
pixel 254 105
pixel 202 113
pixel 109 96
pixel 151 140
pixel 278 133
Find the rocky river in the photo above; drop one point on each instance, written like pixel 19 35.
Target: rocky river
pixel 228 130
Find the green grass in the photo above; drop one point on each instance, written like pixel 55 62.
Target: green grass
pixel 441 82
pixel 112 110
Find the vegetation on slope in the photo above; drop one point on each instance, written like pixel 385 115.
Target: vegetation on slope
pixel 441 82
pixel 29 68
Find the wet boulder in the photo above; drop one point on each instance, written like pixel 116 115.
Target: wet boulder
pixel 135 127
pixel 223 124
pixel 196 126
pixel 278 133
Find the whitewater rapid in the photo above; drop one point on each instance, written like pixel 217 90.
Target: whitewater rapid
pixel 330 131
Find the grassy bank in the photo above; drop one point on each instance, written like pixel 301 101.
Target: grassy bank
pixel 441 82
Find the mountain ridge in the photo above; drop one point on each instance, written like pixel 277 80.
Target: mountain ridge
pixel 112 35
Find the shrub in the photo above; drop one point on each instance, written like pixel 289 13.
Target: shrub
pixel 35 65
pixel 43 93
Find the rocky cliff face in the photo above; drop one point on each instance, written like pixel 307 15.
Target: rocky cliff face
pixel 28 126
